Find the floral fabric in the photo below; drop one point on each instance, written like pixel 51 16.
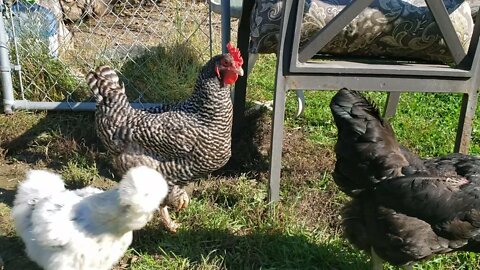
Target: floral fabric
pixel 403 29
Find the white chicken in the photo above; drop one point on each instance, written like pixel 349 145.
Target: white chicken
pixel 86 228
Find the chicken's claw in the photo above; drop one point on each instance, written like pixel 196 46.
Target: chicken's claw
pixel 178 198
pixel 182 201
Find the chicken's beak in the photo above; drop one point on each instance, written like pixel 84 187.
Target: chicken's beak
pixel 239 71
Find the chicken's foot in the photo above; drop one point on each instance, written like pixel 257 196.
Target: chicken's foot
pixel 169 224
pixel 178 198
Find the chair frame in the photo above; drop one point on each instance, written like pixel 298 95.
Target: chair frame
pixel 296 70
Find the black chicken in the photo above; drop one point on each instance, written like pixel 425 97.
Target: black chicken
pixel 404 209
pixel 182 141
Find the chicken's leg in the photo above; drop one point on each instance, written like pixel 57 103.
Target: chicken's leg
pixel 169 224
pixel 177 199
pixel 377 262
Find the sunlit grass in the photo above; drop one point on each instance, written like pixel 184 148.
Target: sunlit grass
pixel 228 224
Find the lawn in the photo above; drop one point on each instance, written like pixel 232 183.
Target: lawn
pixel 229 224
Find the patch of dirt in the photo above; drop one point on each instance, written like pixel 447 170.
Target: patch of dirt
pixel 11 173
pixel 304 159
pixel 306 170
pixel 304 164
pixel 321 209
pixel 248 155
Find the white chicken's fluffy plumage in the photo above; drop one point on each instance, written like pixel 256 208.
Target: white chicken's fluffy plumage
pixel 86 228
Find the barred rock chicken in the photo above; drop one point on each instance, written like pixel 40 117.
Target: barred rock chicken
pixel 182 141
pixel 404 209
pixel 87 228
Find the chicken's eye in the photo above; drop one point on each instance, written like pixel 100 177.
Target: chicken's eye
pixel 226 63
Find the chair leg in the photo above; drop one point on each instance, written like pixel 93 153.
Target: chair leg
pixel 225 22
pixel 392 103
pixel 276 141
pixel 252 59
pixel 300 102
pixel 464 131
pixel 377 262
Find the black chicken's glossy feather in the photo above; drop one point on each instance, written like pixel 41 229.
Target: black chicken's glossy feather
pixel 366 141
pixel 404 207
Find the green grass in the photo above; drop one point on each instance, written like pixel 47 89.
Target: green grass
pixel 44 77
pixel 229 225
pixel 172 69
pixel 79 172
pixel 164 73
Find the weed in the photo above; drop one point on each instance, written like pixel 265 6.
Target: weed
pixel 79 172
pixel 164 74
pixel 47 78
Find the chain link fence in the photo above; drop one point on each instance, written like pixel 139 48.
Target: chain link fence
pixel 157 47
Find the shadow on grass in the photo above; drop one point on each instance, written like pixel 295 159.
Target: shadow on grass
pixel 253 251
pixel 247 157
pixel 54 139
pixel 13 254
pixel 59 137
pixel 7 196
pixel 256 250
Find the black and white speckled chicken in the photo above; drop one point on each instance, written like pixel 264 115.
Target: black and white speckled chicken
pixel 404 209
pixel 182 141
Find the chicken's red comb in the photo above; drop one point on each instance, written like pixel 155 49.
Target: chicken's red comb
pixel 235 53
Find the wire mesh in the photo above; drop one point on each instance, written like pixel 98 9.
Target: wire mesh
pixel 157 47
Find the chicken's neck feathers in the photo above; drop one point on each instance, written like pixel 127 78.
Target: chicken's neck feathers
pixel 102 213
pixel 208 94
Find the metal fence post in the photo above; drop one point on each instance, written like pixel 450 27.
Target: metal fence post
pixel 225 24
pixel 5 68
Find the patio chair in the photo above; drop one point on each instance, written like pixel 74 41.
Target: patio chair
pixel 298 68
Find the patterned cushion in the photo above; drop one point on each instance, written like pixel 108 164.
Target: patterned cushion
pixel 402 29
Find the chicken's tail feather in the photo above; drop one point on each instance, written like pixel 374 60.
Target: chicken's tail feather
pixel 37 185
pixel 141 191
pixel 367 150
pixel 103 81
